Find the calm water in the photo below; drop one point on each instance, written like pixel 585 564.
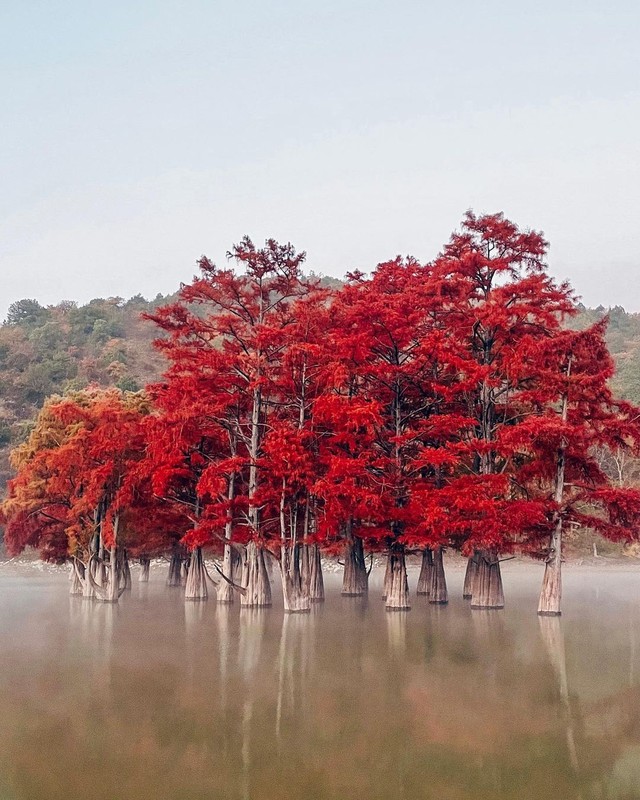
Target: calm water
pixel 153 699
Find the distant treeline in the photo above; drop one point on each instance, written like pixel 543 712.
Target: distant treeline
pixel 54 349
pixel 47 350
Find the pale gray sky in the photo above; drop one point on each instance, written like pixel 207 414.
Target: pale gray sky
pixel 136 136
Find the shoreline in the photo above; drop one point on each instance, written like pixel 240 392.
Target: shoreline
pixel 454 563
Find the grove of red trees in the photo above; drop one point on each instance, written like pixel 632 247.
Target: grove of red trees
pixel 427 406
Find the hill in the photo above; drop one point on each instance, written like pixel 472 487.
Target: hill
pixel 49 350
pixel 623 338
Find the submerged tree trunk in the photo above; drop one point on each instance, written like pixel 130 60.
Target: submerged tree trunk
pixel 175 567
pixel 386 581
pixel 123 573
pixel 426 571
pixel 487 586
pixel 76 578
pixel 398 586
pixel 355 581
pixel 305 565
pixel 255 579
pixel 112 590
pixel 196 585
pixel 231 566
pixel 114 584
pixel 94 572
pixel 145 568
pixel 551 592
pixel 296 599
pixel 470 576
pixel 98 566
pixel 438 593
pixel 126 570
pixel 294 594
pixel 231 557
pixel 311 563
pixel 316 582
pixel 85 575
pixel 239 564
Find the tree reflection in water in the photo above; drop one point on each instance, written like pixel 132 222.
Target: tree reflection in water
pixel 155 699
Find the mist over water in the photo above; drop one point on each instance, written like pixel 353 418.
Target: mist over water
pixel 155 698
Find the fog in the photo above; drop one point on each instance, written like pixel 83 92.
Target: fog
pixel 157 698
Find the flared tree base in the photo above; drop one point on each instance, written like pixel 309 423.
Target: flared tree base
pixel 438 592
pixel 487 586
pixel 256 579
pixel 196 586
pixel 355 581
pixel 426 571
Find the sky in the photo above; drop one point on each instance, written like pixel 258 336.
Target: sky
pixel 135 137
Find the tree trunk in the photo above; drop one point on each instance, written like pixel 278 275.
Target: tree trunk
pixel 438 593
pixel 386 581
pixel 426 570
pixel 487 587
pixel 316 581
pixel 231 561
pixel 85 578
pixel 398 587
pixel 470 576
pixel 551 592
pixel 126 570
pixel 239 565
pixel 175 568
pixel 112 589
pixel 255 579
pixel 355 581
pixel 120 571
pixel 305 565
pixel 254 447
pixel 196 585
pixel 296 600
pixel 99 568
pixel 231 557
pixel 145 568
pixel 76 577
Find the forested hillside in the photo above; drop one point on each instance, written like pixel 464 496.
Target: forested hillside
pixel 46 351
pixel 623 338
pixel 49 350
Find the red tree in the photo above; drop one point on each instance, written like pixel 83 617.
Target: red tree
pixel 575 415
pixel 505 301
pixel 71 490
pixel 227 337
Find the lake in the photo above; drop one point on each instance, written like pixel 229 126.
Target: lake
pixel 160 700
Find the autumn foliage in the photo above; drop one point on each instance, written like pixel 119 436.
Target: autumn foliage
pixel 426 406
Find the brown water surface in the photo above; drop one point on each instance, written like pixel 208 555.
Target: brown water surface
pixel 157 700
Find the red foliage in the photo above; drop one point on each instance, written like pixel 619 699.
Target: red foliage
pixel 426 405
pixel 75 474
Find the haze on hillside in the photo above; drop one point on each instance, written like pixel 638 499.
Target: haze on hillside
pixel 135 138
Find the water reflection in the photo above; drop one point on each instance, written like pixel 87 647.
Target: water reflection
pixel 155 698
pixel 553 638
pixel 397 633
